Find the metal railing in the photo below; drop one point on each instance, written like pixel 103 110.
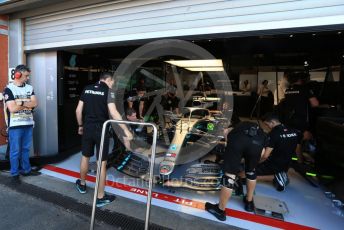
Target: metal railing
pixel 151 169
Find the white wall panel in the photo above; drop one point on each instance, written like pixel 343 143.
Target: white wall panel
pixel 133 20
pixel 46 127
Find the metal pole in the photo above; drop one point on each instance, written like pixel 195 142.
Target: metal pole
pixel 99 163
pixel 151 171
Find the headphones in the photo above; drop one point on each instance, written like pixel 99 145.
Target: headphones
pixel 17 71
pixel 17 75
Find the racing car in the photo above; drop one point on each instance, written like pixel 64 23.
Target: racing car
pixel 182 163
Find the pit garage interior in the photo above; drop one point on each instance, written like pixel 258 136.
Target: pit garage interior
pixel 250 57
pixel 68 43
pixel 255 58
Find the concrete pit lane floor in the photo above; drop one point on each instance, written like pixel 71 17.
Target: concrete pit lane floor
pixel 22 210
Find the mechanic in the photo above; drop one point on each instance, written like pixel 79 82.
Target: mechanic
pixel 137 101
pixel 169 101
pixel 246 141
pixel 296 107
pixel 276 159
pixel 95 104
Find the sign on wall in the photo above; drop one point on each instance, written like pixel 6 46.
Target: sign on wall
pixel 10 74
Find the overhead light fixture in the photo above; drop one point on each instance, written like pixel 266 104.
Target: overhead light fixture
pixel 197 63
pixel 192 41
pixel 339 32
pixel 306 63
pixel 291 36
pixel 314 34
pixel 209 40
pixel 206 69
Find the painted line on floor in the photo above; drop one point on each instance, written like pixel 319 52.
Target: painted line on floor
pixel 186 202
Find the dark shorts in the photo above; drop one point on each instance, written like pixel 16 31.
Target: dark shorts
pixel 266 168
pixel 91 138
pixel 240 146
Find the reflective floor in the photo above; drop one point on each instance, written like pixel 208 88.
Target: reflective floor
pixel 308 206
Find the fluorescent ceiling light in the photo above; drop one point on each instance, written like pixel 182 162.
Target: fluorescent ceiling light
pixel 197 63
pixel 207 69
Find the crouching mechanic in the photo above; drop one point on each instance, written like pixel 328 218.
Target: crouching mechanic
pixel 276 159
pixel 246 141
pixel 95 104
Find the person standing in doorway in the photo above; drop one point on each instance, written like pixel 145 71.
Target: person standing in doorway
pixel 96 103
pixel 297 105
pixel 266 98
pixel 20 101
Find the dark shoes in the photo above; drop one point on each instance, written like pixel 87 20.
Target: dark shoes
pixel 107 199
pixel 215 211
pixel 249 205
pixel 280 181
pixel 15 179
pixel 31 173
pixel 80 187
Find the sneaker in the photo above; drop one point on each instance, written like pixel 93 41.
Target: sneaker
pixel 216 211
pixel 249 205
pixel 31 173
pixel 107 199
pixel 279 182
pixel 285 178
pixel 80 187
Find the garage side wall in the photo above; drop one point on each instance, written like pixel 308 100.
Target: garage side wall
pixel 3 67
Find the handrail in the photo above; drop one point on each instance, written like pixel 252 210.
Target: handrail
pixel 151 165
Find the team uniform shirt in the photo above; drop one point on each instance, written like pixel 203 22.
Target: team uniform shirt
pixel 133 97
pixel 169 103
pixel 95 112
pixel 18 94
pixel 297 102
pixel 96 98
pixel 241 144
pixel 283 141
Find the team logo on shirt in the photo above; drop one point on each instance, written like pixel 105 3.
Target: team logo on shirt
pixel 288 135
pixel 89 91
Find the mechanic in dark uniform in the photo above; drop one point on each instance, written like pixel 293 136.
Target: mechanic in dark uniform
pixel 137 101
pixel 169 101
pixel 95 104
pixel 299 100
pixel 276 159
pixel 139 131
pixel 246 141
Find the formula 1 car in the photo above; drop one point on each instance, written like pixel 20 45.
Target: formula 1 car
pixel 182 163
